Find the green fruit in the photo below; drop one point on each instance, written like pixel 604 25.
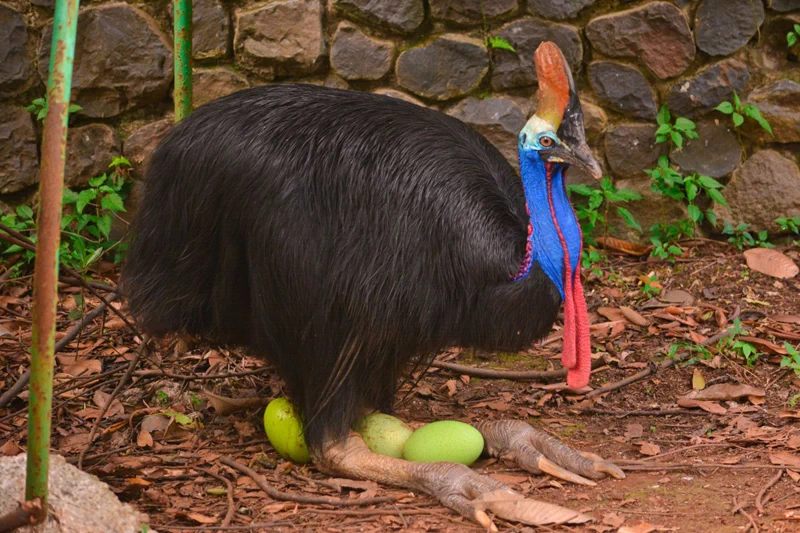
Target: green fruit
pixel 447 440
pixel 384 434
pixel 285 431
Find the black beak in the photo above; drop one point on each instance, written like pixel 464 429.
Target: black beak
pixel 573 137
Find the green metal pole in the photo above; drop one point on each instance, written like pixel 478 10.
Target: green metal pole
pixel 182 34
pixel 45 289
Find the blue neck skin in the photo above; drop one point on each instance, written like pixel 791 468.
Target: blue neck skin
pixel 547 249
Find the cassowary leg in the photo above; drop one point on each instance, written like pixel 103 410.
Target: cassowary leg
pixel 537 452
pixel 454 485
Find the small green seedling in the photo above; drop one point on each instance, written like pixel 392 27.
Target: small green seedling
pixel 740 237
pixel 39 106
pixel 498 43
pixel 792 360
pixel 793 37
pixel 677 131
pixel 737 111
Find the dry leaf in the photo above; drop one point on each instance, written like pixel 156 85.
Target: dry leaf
pixel 766 346
pixel 648 448
pixel 794 442
pixel 677 297
pixel 513 507
pixel 771 262
pixel 200 518
pixel 698 381
pixel 724 391
pixel 84 367
pixel 613 519
pixel 710 407
pixel 101 399
pixel 633 317
pixel 224 406
pixel 786 319
pixel 785 458
pixel 611 313
pixel 634 431
pixel 509 479
pixel 641 527
pixel 10 448
pixel 618 245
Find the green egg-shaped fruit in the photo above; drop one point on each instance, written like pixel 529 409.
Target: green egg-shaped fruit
pixel 446 440
pixel 285 431
pixel 384 434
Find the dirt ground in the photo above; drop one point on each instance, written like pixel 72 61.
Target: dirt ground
pixel 692 464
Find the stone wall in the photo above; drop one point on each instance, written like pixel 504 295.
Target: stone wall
pixel 629 58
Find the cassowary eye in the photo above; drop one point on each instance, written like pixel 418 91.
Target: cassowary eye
pixel 546 142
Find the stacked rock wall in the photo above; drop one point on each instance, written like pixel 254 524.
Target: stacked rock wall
pixel 629 58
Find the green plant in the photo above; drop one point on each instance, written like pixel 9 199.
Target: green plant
pixel 791 225
pixel 740 237
pixel 39 106
pixel 590 215
pixel 85 223
pixel 793 400
pixel 792 360
pixel 590 258
pixel 161 398
pixel 498 43
pixel 738 347
pixel 682 127
pixel 793 36
pixel 650 286
pixel 737 111
pixel 701 352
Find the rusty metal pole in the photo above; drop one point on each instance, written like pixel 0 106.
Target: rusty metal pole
pixel 45 290
pixel 182 51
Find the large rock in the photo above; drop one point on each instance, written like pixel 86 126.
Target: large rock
pixel 468 12
pixel 141 143
pixel 355 56
pixel 122 60
pixel 19 160
pixel 657 34
pixel 766 187
pixel 90 149
pixel 498 119
pixel 78 502
pixel 399 16
pixel 449 66
pixel 281 38
pixel 715 153
pixel 724 26
pixel 595 120
pixel 208 84
pixel 701 93
pixel 512 70
pixel 211 29
pixel 779 103
pixel 631 148
pixel 15 62
pixel 652 209
pixel 784 5
pixel 557 9
pixel 623 88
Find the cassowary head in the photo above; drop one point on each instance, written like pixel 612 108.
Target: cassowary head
pixel 550 141
pixel 555 133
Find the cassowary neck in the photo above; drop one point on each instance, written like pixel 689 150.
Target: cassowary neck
pixel 553 231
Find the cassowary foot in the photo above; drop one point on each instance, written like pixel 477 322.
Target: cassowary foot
pixel 537 452
pixel 454 485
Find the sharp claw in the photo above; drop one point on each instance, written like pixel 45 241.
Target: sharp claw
pixel 483 519
pixel 610 469
pixel 546 465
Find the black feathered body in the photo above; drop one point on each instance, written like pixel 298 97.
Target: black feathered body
pixel 342 235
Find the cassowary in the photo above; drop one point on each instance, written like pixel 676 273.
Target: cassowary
pixel 348 237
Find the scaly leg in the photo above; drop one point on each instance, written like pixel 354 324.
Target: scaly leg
pixel 454 485
pixel 537 452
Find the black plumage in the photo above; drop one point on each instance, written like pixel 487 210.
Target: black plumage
pixel 342 235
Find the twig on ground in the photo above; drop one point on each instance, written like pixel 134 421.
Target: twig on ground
pixel 229 490
pixel 639 412
pixel 764 489
pixel 692 447
pixel 649 467
pixel 131 366
pixel 276 494
pixel 186 377
pixel 507 374
pixel 752 522
pixel 266 526
pixel 73 332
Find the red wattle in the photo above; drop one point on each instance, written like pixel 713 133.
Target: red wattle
pixel 568 353
pixel 578 376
